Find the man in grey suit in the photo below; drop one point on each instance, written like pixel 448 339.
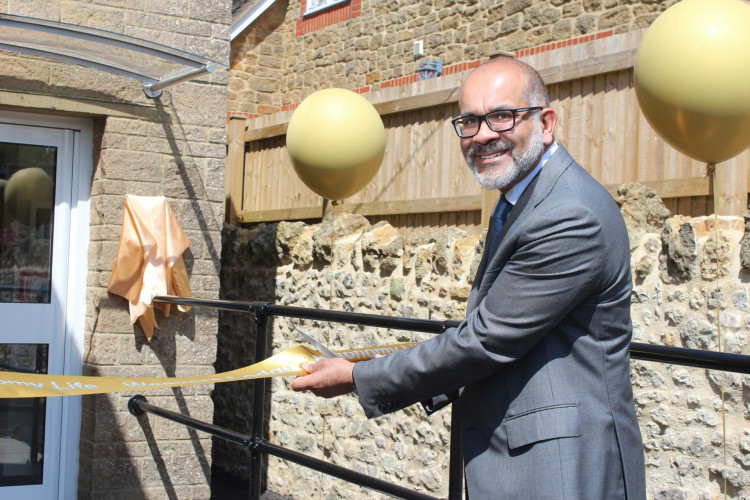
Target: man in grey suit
pixel 541 361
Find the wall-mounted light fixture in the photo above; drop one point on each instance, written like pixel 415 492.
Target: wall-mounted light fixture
pixel 430 69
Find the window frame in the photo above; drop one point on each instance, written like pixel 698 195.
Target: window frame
pixel 323 4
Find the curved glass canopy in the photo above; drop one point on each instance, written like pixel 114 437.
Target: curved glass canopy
pixel 156 66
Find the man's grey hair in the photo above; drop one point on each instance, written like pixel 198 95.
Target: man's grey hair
pixel 534 92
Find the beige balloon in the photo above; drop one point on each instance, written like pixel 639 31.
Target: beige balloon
pixel 30 196
pixel 336 142
pixel 692 78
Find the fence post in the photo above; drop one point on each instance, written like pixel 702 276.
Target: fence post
pixel 456 471
pixel 730 187
pixel 234 171
pixel 259 396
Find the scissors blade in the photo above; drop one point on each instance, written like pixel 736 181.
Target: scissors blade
pixel 320 347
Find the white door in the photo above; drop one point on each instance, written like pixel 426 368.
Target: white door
pixel 41 196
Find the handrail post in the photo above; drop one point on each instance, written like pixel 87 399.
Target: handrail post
pixel 456 467
pixel 259 396
pixel 456 450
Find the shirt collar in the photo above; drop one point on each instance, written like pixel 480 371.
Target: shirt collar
pixel 515 192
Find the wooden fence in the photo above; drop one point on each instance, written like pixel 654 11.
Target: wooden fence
pixel 423 180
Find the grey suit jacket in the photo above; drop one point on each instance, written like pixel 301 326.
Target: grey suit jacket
pixel 542 358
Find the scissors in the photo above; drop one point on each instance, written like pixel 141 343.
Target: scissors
pixel 320 347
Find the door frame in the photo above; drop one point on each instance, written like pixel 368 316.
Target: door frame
pixel 75 309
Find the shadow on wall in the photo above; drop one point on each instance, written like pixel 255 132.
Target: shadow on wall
pixel 248 273
pixel 109 462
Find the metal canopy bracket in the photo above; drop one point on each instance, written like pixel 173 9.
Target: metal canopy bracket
pixel 156 66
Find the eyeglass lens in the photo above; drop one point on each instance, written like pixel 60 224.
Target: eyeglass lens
pixel 498 121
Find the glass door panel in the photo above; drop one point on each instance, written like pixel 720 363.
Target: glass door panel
pixel 35 195
pixel 27 200
pixel 22 419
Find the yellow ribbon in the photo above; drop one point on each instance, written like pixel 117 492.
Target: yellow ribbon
pixel 288 362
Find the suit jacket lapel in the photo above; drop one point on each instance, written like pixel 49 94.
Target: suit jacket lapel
pixel 533 195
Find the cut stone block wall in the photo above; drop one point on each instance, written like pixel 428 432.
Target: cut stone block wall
pixel 174 147
pixel 273 66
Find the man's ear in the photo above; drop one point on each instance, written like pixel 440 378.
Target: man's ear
pixel 549 121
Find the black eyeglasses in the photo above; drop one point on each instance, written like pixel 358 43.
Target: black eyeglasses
pixel 497 121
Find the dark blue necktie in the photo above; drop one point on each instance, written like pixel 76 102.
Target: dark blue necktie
pixel 497 221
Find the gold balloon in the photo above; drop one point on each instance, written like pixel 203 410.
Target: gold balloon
pixel 692 78
pixel 30 196
pixel 336 141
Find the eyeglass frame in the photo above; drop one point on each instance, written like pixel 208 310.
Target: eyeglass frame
pixel 486 115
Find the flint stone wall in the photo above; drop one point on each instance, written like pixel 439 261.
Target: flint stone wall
pixel 689 290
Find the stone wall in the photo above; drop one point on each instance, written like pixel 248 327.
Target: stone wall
pixel 688 290
pixel 272 66
pixel 175 147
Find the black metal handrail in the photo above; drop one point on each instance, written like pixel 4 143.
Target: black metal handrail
pixel 711 360
pixel 138 405
pixel 262 310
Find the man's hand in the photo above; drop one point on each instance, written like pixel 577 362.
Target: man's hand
pixel 328 378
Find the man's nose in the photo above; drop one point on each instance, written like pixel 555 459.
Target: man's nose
pixel 485 133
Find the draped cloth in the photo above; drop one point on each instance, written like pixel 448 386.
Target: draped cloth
pixel 149 259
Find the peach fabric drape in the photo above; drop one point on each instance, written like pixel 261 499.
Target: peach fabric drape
pixel 149 259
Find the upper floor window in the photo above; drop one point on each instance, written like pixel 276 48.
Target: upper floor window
pixel 317 14
pixel 316 5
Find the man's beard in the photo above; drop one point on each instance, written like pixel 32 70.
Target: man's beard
pixel 520 166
